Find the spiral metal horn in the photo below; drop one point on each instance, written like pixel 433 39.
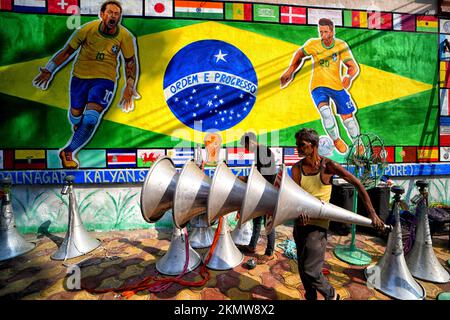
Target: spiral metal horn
pixel 77 241
pixel 158 189
pixel 226 194
pixel 390 274
pixel 12 244
pixel 422 260
pixel 191 194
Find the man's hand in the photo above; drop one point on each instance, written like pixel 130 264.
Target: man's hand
pixel 346 81
pixel 128 96
pixel 377 223
pixel 285 79
pixel 43 79
pixel 303 220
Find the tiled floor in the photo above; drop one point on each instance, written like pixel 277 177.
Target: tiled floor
pixel 126 257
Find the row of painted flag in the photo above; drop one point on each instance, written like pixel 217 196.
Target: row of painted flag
pixel 142 158
pixel 235 11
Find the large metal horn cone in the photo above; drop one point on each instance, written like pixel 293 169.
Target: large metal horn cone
pixel 226 255
pixel 421 260
pixel 226 194
pixel 243 235
pixel 158 189
pixel 390 274
pixel 260 197
pixel 77 241
pixel 172 263
pixel 293 200
pixel 191 194
pixel 201 234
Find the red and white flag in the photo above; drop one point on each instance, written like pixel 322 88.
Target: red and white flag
pixel 294 15
pixel 159 8
pixel 61 6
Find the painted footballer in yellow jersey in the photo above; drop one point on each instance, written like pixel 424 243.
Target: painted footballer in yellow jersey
pixel 97 46
pixel 329 57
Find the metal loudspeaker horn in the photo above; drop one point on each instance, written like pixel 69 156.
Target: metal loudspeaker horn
pixel 422 260
pixel 391 274
pixel 226 193
pixel 260 197
pixel 191 194
pixel 77 241
pixel 12 244
pixel 158 189
pixel 294 200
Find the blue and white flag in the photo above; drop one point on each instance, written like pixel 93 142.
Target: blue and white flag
pixel 180 156
pixel 36 6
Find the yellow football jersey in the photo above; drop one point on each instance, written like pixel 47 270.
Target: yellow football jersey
pixel 97 57
pixel 327 62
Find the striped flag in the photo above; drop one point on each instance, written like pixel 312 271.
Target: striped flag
pixel 314 15
pixel 445 107
pixel 356 19
pixel 29 159
pixel 198 9
pixel 6 5
pixel 121 158
pixel 146 157
pixel 92 158
pixel 60 6
pixel 444 131
pixel 445 153
pixel 444 74
pixel 379 20
pixel 35 6
pixel 293 15
pixel 427 23
pixel 180 156
pixel 404 22
pixel 238 11
pixel 239 157
pixel 427 154
pixel 265 12
pixel 405 154
pixel 290 156
pixel 159 8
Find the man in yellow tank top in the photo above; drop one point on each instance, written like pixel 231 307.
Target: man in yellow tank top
pixel 314 174
pixel 97 46
pixel 329 56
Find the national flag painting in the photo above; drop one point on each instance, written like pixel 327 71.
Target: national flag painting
pixel 92 158
pixel 379 20
pixel 265 12
pixel 121 158
pixel 180 156
pixel 290 156
pixel 355 19
pixel 427 154
pixel 29 159
pixel 278 155
pixel 146 157
pixel 129 7
pixel 444 131
pixel 6 5
pixel 314 15
pixel 444 74
pixel 31 6
pixel 445 106
pixel 7 159
pixel 159 8
pixel 238 11
pixel 445 154
pixel 404 22
pixel 198 9
pixel 239 157
pixel 293 15
pixel 406 154
pixel 61 6
pixel 444 26
pixel 427 23
pixel 388 153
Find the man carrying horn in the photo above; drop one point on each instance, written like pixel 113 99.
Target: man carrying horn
pixel 314 174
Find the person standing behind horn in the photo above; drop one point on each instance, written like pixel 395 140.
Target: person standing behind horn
pixel 314 174
pixel 265 164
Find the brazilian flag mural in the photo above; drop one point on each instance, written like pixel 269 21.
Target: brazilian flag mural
pixel 198 76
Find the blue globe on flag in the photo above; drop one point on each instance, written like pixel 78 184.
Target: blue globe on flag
pixel 210 85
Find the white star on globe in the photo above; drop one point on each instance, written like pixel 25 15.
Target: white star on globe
pixel 220 56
